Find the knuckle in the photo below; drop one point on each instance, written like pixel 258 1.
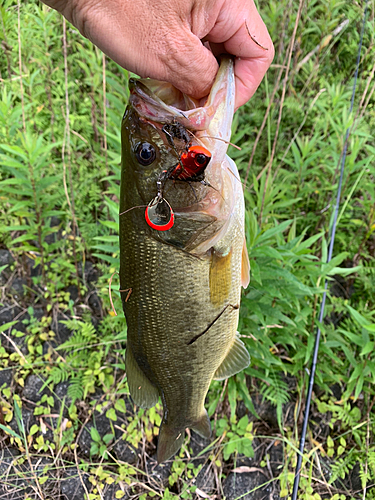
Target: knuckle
pixel 185 65
pixel 82 15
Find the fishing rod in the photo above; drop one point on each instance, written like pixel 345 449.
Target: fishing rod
pixel 330 251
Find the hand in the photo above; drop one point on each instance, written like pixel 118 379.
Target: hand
pixel 163 39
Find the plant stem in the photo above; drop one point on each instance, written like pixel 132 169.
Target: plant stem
pixel 67 132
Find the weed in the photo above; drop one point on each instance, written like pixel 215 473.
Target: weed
pixel 60 113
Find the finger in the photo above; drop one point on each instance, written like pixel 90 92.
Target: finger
pixel 255 52
pixel 249 73
pixel 247 38
pixel 188 65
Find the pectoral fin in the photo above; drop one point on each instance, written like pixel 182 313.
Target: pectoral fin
pixel 245 266
pixel 236 360
pixel 142 391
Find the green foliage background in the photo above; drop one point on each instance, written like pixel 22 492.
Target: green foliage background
pixel 60 113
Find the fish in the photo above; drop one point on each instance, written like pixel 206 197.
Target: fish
pixel 183 273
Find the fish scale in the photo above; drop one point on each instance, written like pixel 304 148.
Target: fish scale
pixel 182 314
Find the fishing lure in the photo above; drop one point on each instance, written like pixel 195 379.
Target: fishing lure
pixel 190 167
pixel 193 160
pixel 159 214
pixel 192 164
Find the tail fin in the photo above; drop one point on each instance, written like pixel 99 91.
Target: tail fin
pixel 169 443
pixel 170 440
pixel 203 426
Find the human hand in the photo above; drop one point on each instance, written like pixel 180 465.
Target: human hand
pixel 163 39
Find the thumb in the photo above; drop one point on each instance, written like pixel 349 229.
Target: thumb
pixel 188 65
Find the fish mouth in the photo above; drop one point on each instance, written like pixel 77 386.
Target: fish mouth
pixel 209 125
pixel 162 103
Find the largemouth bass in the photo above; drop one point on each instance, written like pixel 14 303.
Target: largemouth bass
pixel 185 278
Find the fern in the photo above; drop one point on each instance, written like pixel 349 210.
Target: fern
pixel 343 413
pixel 84 334
pixel 277 391
pixel 364 476
pixel 88 384
pixel 341 466
pixel 371 460
pixel 87 329
pixel 59 373
pixel 75 389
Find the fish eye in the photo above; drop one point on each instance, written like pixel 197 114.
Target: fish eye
pixel 145 153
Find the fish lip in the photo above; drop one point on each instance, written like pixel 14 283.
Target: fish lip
pixel 140 93
pixel 147 103
pixel 153 103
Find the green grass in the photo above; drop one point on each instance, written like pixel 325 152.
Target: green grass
pixel 56 139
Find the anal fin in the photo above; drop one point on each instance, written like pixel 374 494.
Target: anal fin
pixel 142 391
pixel 236 360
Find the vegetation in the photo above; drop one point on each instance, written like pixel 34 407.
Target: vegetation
pixel 60 112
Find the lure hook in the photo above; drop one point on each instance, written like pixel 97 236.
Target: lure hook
pixel 159 214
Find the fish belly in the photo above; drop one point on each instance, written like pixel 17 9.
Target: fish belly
pixel 178 334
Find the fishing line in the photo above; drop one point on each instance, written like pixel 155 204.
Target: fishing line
pixel 129 290
pixel 330 251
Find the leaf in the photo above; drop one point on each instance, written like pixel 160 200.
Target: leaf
pixel 120 405
pixel 108 438
pixel 309 242
pixel 22 238
pixel 271 233
pixel 109 239
pixel 368 347
pixel 6 326
pixel 107 248
pixel 243 423
pixel 330 442
pixel 229 448
pixel 18 415
pixel 255 271
pixel 15 150
pixel 361 319
pixel 359 387
pixel 334 262
pixel 244 392
pixel 94 448
pixel 14 182
pixel 34 429
pixel 344 271
pixel 111 414
pixel 245 468
pixel 10 431
pixel 107 258
pixel 95 436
